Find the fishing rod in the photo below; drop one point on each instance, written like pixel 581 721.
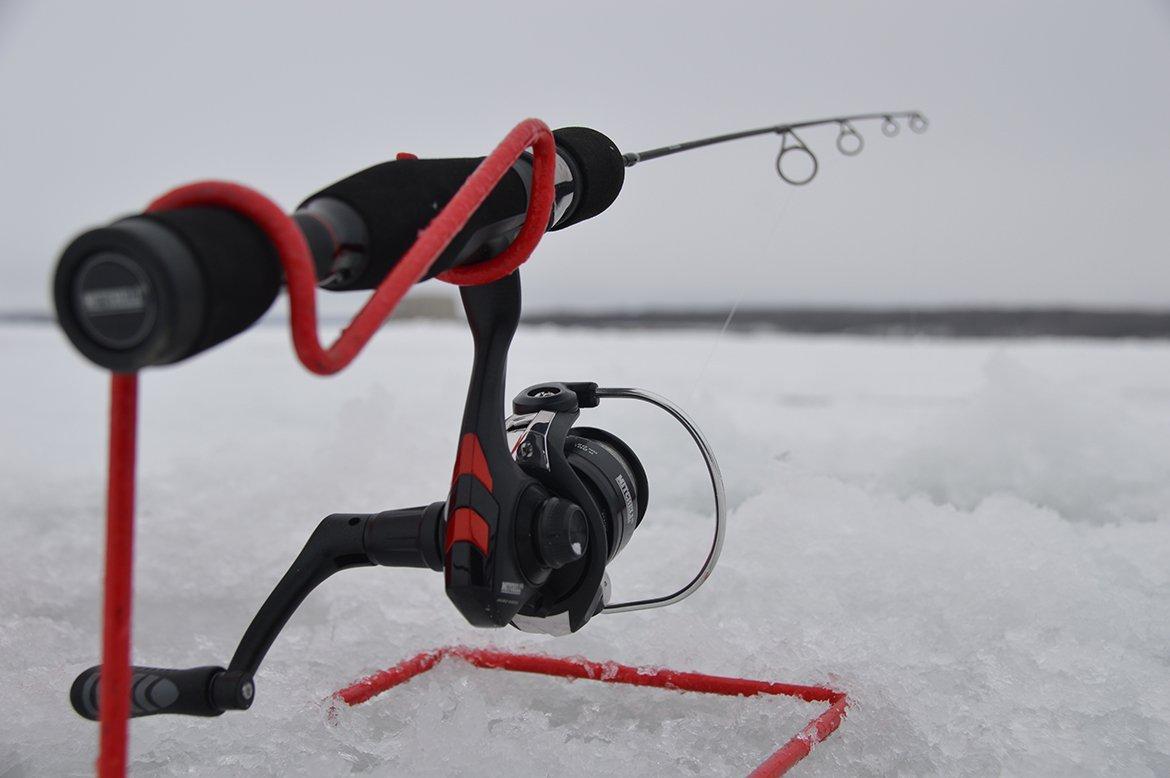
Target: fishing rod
pixel 160 287
pixel 849 141
pixel 538 506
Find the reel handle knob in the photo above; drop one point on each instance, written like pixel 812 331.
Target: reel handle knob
pixel 562 532
pixel 195 691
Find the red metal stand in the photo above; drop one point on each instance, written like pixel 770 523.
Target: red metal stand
pixel 116 609
pixel 611 672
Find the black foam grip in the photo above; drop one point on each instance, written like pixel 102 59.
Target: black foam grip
pixel 398 199
pixel 240 268
pixel 153 690
pixel 601 169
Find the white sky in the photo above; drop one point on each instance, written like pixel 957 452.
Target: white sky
pixel 1045 177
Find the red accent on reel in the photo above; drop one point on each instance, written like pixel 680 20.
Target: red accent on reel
pixel 782 760
pixel 465 524
pixel 471 461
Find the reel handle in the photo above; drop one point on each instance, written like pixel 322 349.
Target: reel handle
pixel 195 691
pixel 407 537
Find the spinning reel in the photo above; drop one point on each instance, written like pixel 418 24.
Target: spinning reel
pixel 523 538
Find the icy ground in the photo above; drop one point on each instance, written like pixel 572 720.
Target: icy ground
pixel 970 538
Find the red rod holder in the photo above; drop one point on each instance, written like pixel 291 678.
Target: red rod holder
pixel 797 748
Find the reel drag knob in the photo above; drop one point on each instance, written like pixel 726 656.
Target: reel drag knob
pixel 562 535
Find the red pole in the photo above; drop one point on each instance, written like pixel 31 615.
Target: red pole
pixel 114 691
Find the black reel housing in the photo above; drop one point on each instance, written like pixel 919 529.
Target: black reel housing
pixel 521 539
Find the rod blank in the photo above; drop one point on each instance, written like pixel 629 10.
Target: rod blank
pixel 849 141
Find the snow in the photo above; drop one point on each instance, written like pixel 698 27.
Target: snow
pixel 971 538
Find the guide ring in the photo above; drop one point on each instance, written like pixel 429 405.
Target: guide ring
pixel 847 129
pixel 797 146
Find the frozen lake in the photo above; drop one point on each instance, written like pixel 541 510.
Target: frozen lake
pixel 971 538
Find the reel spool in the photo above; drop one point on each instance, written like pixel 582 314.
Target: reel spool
pixel 615 478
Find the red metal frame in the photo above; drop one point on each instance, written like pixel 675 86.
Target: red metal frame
pixel 778 763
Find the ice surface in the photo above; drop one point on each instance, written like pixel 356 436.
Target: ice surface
pixel 972 538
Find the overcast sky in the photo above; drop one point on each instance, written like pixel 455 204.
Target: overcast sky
pixel 1044 178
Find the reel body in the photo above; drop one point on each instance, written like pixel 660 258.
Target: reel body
pixel 529 534
pixel 523 538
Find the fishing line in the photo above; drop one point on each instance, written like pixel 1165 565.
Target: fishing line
pixel 781 211
pixel 850 142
